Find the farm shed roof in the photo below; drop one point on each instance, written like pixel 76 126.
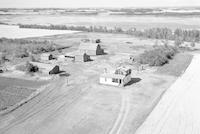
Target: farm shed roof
pixel 74 53
pixel 88 46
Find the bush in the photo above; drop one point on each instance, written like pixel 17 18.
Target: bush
pixel 158 56
pixel 98 41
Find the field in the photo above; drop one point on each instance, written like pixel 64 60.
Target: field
pixel 124 21
pixel 16 32
pixel 13 90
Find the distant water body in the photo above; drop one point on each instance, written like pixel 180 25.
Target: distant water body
pixel 15 32
pixel 124 21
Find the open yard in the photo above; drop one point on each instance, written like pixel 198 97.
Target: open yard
pixel 79 104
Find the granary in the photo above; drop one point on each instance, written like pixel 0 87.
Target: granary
pixel 120 77
pixel 46 56
pixel 91 48
pixel 82 57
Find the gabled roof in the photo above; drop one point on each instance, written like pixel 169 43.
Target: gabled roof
pixel 45 54
pixel 88 46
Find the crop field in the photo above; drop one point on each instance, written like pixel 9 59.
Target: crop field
pixel 13 95
pixel 13 90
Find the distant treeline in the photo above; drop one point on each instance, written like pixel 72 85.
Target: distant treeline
pixel 25 41
pixel 152 33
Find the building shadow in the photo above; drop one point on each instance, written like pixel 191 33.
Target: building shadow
pixel 133 81
pixel 89 60
pixel 64 74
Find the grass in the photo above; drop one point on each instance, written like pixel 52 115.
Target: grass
pixel 176 66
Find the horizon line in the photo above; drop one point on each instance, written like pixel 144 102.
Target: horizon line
pixel 101 7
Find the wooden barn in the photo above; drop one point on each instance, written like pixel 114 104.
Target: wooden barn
pixel 46 56
pixel 91 48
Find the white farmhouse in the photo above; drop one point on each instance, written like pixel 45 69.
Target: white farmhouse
pixel 121 77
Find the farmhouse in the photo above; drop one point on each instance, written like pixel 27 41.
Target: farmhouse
pixel 120 77
pixel 46 56
pixel 91 48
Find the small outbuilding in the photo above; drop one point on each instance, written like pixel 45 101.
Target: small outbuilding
pixel 91 48
pixel 121 77
pixel 46 56
pixel 82 57
pixel 55 70
pixel 77 56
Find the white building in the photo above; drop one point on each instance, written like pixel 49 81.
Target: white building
pixel 121 77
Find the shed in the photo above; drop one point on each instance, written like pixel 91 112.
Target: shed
pixel 46 56
pixel 55 70
pixel 91 48
pixel 77 56
pixel 69 56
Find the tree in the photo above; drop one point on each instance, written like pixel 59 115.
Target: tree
pixel 178 42
pixel 98 41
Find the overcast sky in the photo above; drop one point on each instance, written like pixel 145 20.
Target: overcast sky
pixel 97 3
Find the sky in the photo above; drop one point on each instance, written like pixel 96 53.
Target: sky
pixel 96 3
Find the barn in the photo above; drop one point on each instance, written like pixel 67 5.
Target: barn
pixel 46 56
pixel 91 48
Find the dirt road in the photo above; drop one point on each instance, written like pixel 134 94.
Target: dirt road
pixel 178 112
pixel 73 109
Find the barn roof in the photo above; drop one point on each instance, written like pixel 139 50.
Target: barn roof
pixel 45 54
pixel 88 46
pixel 123 68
